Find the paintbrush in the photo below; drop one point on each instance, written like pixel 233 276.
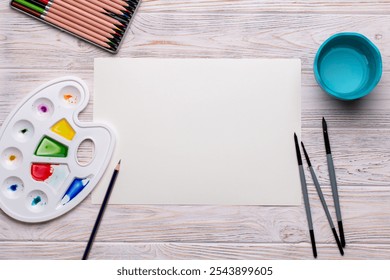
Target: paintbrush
pixel 333 182
pixel 323 202
pixel 305 196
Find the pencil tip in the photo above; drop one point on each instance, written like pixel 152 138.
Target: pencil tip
pixel 118 165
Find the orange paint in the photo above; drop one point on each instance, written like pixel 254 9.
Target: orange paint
pixel 68 96
pixel 12 157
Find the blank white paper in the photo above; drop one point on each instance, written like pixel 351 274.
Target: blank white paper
pixel 201 131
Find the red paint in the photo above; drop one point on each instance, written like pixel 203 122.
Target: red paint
pixel 41 171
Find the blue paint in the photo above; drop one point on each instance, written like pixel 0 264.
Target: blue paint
pixel 74 189
pixel 13 187
pixel 36 200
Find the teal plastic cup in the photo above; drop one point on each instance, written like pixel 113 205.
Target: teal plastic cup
pixel 348 66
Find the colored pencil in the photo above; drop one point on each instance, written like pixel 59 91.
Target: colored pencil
pixel 101 7
pixel 101 211
pixel 68 24
pixel 109 3
pixel 102 22
pixel 38 12
pixel 305 196
pixel 97 22
pixel 87 12
pixel 333 182
pixel 63 14
pixel 322 198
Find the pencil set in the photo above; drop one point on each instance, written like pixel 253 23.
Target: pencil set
pixel 100 22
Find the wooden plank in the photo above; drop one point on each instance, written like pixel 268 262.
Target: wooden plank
pixel 366 214
pixel 264 6
pixel 268 6
pixel 199 35
pixel 186 251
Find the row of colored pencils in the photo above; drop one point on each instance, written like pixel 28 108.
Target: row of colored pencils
pixel 102 22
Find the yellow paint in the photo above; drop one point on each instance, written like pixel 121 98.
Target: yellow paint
pixel 64 129
pixel 12 157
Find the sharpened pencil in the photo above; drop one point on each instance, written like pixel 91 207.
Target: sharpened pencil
pixel 82 26
pixel 96 30
pixel 101 22
pixel 101 211
pixel 87 12
pixel 97 25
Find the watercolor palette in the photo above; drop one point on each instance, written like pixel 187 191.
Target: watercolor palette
pixel 41 176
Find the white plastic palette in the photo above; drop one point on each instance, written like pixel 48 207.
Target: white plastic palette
pixel 41 177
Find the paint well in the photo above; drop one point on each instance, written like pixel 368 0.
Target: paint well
pixel 52 174
pixel 74 189
pixel 22 131
pixel 64 129
pixel 70 95
pixel 41 171
pixel 49 147
pixel 43 108
pixel 11 158
pixel 36 201
pixel 12 187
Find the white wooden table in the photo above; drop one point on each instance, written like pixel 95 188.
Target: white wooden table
pixel 32 53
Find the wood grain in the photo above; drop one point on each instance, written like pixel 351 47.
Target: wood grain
pixel 268 6
pixel 186 251
pixel 32 53
pixel 200 35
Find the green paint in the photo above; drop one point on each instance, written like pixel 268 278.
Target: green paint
pixel 51 148
pixel 31 6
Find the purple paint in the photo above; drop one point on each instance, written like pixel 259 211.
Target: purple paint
pixel 43 108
